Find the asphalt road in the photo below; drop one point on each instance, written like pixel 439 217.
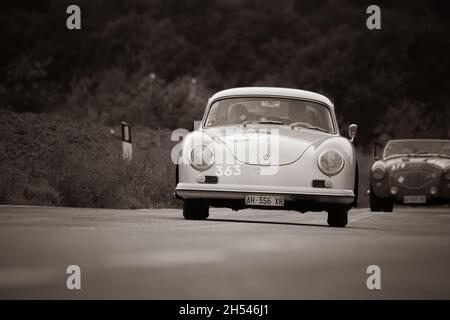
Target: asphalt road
pixel 251 254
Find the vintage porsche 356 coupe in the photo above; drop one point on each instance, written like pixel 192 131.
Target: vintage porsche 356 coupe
pixel 411 172
pixel 270 148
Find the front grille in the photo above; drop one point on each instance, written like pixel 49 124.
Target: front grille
pixel 414 179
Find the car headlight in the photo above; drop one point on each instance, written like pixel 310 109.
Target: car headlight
pixel 201 157
pixel 447 174
pixel 330 162
pixel 378 173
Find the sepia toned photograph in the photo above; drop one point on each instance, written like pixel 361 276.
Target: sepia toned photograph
pixel 224 150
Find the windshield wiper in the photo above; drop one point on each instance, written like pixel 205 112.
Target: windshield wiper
pixel 263 122
pixel 319 128
pixel 308 126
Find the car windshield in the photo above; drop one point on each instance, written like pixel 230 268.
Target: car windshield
pixel 275 111
pixel 417 148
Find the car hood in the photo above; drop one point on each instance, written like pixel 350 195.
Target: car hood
pixel 268 145
pixel 419 162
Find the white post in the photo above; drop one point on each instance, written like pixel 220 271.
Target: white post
pixel 197 124
pixel 127 148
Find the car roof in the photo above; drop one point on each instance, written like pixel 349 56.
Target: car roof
pixel 272 91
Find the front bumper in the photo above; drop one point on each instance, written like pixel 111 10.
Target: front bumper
pixel 385 190
pixel 290 194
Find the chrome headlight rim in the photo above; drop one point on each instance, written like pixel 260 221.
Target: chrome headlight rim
pixel 381 169
pixel 196 166
pixel 329 173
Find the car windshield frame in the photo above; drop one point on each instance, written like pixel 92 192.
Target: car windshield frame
pixel 415 154
pixel 270 97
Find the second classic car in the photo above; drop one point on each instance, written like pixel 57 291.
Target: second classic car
pixel 411 172
pixel 270 148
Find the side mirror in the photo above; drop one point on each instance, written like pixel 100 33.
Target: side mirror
pixel 352 130
pixel 375 151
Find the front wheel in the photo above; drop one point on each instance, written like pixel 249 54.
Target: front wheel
pixel 337 217
pixel 195 209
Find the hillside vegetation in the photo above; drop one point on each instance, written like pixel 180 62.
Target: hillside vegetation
pixel 155 62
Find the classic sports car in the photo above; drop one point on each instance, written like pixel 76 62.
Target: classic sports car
pixel 411 172
pixel 271 148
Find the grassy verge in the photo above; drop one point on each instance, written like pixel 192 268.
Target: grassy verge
pixel 52 160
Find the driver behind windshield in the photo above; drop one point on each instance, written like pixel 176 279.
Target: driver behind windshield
pixel 300 113
pixel 237 113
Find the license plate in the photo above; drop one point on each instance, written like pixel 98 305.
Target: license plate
pixel 257 200
pixel 414 199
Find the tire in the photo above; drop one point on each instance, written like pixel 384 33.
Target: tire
pixel 388 205
pixel 337 217
pixel 376 204
pixel 195 209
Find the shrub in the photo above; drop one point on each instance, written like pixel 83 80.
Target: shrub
pixel 39 192
pixel 12 182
